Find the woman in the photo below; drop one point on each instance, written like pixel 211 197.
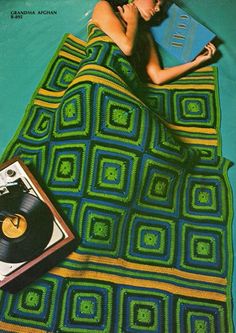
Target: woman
pixel 125 28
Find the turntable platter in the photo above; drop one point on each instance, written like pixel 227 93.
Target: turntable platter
pixel 26 226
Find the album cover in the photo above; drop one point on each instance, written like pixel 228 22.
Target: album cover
pixel 181 34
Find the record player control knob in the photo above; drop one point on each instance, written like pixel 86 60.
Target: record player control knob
pixel 11 173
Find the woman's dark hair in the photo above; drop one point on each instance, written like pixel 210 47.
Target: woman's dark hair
pixel 156 18
pixel 116 3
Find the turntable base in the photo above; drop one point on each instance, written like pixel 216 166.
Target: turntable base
pixel 33 235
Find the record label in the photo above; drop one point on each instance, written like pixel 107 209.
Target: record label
pixel 14 226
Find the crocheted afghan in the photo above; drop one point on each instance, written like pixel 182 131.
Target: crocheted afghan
pixel 137 171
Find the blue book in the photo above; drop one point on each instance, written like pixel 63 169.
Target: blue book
pixel 181 35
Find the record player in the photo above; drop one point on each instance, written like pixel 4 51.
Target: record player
pixel 33 235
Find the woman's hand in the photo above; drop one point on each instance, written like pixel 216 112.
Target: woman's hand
pixel 129 13
pixel 207 55
pixel 160 75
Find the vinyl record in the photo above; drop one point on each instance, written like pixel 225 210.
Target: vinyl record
pixel 26 225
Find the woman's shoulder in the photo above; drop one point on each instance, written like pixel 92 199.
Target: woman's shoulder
pixel 102 9
pixel 102 5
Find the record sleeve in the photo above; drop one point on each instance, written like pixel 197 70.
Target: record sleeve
pixel 181 35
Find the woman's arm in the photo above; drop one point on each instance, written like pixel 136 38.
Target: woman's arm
pixel 123 35
pixel 159 75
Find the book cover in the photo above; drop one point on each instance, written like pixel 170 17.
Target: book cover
pixel 181 35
